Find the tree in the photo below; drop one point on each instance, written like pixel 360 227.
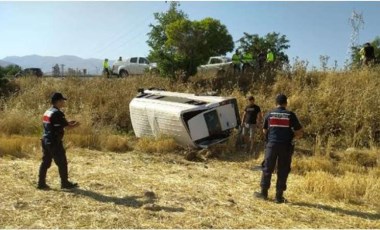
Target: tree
pixel 56 71
pixel 3 80
pixel 180 44
pixel 255 44
pixel 160 53
pixel 11 70
pixel 195 41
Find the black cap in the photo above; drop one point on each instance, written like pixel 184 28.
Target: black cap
pixel 56 97
pixel 281 99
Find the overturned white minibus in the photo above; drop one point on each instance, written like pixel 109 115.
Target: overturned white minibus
pixel 193 121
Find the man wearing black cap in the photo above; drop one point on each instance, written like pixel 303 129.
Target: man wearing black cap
pixel 54 123
pixel 280 127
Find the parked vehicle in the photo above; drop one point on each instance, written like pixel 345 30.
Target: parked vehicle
pixel 30 72
pixel 193 121
pixel 132 66
pixel 216 63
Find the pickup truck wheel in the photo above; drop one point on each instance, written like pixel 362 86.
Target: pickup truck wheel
pixel 123 73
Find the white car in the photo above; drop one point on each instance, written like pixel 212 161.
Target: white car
pixel 216 63
pixel 132 66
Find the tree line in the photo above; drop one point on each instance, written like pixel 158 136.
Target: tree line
pixel 180 44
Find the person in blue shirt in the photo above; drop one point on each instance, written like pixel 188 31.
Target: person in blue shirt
pixel 281 126
pixel 54 124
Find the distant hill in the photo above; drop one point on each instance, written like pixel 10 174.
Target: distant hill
pixel 93 66
pixel 4 63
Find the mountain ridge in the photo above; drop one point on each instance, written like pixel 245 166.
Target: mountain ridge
pixel 46 63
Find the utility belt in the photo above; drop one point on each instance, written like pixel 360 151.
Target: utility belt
pixel 50 141
pixel 290 145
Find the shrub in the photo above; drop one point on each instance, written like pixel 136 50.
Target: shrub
pixel 19 146
pixel 115 143
pixel 160 145
pixel 351 187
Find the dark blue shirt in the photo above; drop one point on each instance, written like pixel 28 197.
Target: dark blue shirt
pixel 281 125
pixel 54 122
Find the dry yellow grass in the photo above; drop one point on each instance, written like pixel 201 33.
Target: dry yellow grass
pixel 160 145
pixel 336 108
pixel 116 192
pixel 329 187
pixel 19 146
pixel 351 187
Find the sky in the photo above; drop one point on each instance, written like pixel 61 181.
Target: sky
pixel 112 29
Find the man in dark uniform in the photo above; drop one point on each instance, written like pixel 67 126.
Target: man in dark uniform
pixel 261 60
pixel 369 54
pixel 280 127
pixel 54 123
pixel 251 117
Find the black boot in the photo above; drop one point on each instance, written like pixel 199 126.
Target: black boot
pixel 43 186
pixel 262 195
pixel 69 185
pixel 42 177
pixel 280 197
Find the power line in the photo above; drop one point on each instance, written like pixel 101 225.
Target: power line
pixel 137 35
pixel 123 35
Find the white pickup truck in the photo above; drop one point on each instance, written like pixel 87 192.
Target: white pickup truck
pixel 216 63
pixel 132 66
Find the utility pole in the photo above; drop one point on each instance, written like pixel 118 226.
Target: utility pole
pixel 62 70
pixel 357 23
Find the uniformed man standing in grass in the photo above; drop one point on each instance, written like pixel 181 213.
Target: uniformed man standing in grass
pixel 54 123
pixel 280 127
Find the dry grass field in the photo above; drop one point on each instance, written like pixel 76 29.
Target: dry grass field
pixel 145 183
pixel 140 190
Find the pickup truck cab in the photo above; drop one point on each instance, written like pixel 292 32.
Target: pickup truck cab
pixel 132 66
pixel 216 63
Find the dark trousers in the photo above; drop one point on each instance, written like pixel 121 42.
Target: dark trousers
pixel 282 155
pixel 245 67
pixel 237 68
pixel 107 72
pixel 53 151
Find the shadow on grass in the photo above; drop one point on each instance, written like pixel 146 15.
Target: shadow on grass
pixel 240 154
pixel 364 215
pixel 128 201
